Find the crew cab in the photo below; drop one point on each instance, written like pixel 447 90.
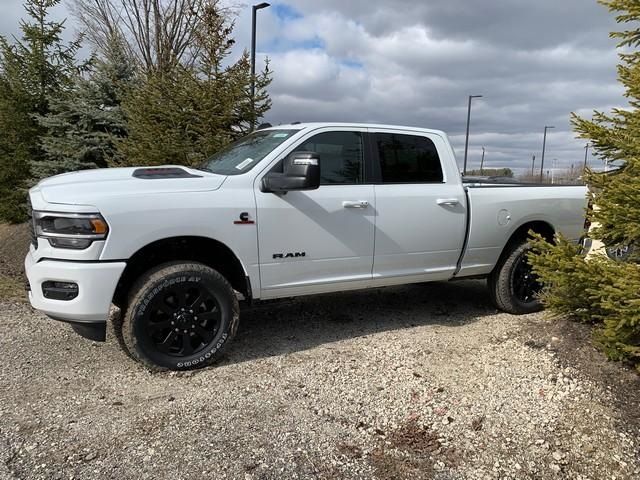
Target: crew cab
pixel 290 210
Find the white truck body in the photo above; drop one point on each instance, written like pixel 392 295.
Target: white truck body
pixel 333 238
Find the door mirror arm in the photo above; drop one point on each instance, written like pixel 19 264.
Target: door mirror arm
pixel 274 183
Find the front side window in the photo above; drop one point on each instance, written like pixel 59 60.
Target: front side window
pixel 341 156
pixel 243 154
pixel 407 159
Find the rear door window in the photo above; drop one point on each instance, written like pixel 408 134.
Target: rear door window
pixel 407 158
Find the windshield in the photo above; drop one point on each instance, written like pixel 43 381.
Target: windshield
pixel 243 154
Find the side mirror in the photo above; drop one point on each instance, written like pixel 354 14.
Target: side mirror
pixel 301 172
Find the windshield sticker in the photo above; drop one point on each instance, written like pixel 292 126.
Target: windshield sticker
pixel 244 164
pixel 280 135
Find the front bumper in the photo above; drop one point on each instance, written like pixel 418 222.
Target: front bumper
pixel 96 282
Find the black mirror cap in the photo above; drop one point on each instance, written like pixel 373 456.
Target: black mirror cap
pixel 301 172
pixel 304 164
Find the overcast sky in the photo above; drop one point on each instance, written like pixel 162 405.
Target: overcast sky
pixel 414 62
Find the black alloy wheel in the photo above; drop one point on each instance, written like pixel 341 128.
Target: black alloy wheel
pixel 524 282
pixel 182 321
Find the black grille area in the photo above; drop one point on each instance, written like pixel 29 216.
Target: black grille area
pixel 32 229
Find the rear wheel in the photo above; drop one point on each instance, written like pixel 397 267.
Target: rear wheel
pixel 513 287
pixel 180 316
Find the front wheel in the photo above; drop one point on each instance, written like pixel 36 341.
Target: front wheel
pixel 513 286
pixel 179 317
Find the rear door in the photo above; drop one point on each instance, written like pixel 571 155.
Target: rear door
pixel 420 212
pixel 319 240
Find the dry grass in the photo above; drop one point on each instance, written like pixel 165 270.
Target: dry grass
pixel 14 243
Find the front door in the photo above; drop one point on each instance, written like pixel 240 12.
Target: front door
pixel 319 240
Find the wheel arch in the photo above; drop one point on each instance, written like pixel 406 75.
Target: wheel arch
pixel 208 251
pixel 538 226
pixel 522 233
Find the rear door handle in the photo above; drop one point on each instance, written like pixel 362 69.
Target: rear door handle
pixel 355 204
pixel 448 201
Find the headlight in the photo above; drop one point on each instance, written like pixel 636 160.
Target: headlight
pixel 70 230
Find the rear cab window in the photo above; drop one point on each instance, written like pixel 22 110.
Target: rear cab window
pixel 404 158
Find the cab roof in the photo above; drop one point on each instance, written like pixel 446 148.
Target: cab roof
pixel 317 125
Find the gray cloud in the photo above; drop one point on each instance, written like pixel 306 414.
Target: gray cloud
pixel 520 23
pixel 11 11
pixel 535 62
pixel 414 62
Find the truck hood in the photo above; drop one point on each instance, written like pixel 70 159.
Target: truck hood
pixel 87 186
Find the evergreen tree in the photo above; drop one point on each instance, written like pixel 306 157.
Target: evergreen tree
pixel 16 129
pixel 187 114
pixel 160 115
pixel 601 290
pixel 32 70
pixel 83 126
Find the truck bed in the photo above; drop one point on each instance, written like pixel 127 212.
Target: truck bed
pixel 494 209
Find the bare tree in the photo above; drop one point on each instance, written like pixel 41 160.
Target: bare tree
pixel 158 33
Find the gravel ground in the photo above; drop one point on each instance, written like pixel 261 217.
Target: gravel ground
pixel 422 381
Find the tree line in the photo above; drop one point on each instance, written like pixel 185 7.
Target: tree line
pixel 159 87
pixel 491 172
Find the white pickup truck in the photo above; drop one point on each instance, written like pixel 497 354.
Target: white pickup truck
pixel 290 210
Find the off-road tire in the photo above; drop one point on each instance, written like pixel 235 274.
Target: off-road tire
pixel 153 288
pixel 501 282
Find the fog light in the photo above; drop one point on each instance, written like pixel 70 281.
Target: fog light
pixel 69 242
pixel 60 290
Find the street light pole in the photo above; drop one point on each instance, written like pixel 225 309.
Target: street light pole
pixel 254 10
pixel 466 143
pixel 533 164
pixel 482 161
pixel 544 147
pixel 586 152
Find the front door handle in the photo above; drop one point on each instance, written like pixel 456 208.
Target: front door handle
pixel 355 204
pixel 448 201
